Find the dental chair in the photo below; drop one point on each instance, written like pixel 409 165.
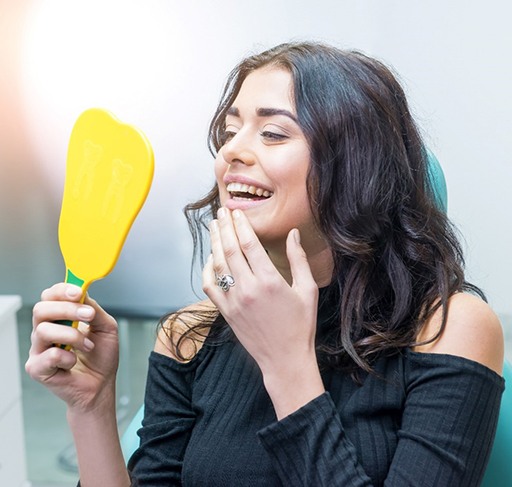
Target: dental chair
pixel 130 439
pixel 499 469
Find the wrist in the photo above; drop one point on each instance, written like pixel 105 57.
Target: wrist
pixel 98 449
pixel 102 404
pixel 293 386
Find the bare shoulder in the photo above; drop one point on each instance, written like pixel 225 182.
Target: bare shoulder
pixel 180 323
pixel 472 331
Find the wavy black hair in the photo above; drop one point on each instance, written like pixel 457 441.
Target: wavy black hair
pixel 397 258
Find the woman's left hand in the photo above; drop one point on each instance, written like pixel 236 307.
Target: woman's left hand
pixel 273 320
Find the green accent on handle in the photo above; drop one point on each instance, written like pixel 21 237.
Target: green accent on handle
pixel 72 279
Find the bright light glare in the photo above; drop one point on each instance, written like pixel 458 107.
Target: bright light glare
pixel 82 54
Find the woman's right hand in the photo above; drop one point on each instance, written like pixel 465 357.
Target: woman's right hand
pixel 84 377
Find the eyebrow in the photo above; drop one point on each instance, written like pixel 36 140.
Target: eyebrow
pixel 264 112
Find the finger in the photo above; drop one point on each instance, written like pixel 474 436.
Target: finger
pixel 219 263
pixel 299 265
pixel 60 311
pixel 62 292
pixel 101 320
pixel 44 366
pixel 210 287
pixel 221 268
pixel 46 334
pixel 253 251
pixel 233 254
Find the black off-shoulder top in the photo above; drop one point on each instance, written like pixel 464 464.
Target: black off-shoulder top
pixel 421 420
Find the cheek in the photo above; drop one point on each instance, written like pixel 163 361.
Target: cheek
pixel 295 187
pixel 293 181
pixel 219 171
pixel 219 168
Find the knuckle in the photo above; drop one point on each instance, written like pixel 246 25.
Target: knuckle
pixel 248 245
pixel 29 367
pixel 37 331
pixel 247 298
pixel 36 310
pixel 207 288
pixel 48 292
pixel 42 330
pixel 229 251
pixel 272 283
pixel 313 286
pixel 53 356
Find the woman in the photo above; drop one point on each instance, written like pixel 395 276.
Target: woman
pixel 339 344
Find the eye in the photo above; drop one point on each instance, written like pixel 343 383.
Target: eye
pixel 226 135
pixel 272 136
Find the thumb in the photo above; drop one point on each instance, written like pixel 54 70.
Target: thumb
pixel 299 265
pixel 101 321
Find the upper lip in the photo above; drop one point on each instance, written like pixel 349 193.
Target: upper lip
pixel 231 178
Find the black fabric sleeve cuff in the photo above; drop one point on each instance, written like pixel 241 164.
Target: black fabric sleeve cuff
pixel 309 447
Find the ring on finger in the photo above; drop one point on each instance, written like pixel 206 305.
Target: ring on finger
pixel 225 281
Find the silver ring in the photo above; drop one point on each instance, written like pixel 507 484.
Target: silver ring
pixel 225 282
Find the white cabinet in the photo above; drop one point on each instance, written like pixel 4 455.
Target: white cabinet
pixel 12 443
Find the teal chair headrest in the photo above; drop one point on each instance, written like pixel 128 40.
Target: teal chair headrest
pixel 499 469
pixel 437 181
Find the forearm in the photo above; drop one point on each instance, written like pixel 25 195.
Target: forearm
pixel 100 459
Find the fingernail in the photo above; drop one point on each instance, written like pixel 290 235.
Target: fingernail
pixel 221 213
pixel 237 214
pixel 84 313
pixel 88 344
pixel 296 236
pixel 214 225
pixel 73 291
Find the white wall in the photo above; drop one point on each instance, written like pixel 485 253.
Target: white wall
pixel 455 58
pixel 161 64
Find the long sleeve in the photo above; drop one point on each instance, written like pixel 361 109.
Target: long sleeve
pixel 449 422
pixel 449 419
pixel 167 424
pixel 310 447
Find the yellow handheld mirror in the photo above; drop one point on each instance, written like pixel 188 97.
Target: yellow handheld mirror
pixel 109 170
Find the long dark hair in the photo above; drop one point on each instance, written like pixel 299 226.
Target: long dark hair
pixel 397 258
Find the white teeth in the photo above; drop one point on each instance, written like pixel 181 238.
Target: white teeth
pixel 245 188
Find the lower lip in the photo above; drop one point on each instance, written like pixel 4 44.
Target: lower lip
pixel 243 204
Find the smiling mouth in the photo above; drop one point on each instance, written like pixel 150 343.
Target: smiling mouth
pixel 240 191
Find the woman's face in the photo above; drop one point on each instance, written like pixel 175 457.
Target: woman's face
pixel 262 166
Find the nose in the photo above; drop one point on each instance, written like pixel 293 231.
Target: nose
pixel 239 150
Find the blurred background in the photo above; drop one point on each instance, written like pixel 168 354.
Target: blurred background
pixel 160 65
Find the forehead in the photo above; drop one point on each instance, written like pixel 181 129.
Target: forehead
pixel 268 87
